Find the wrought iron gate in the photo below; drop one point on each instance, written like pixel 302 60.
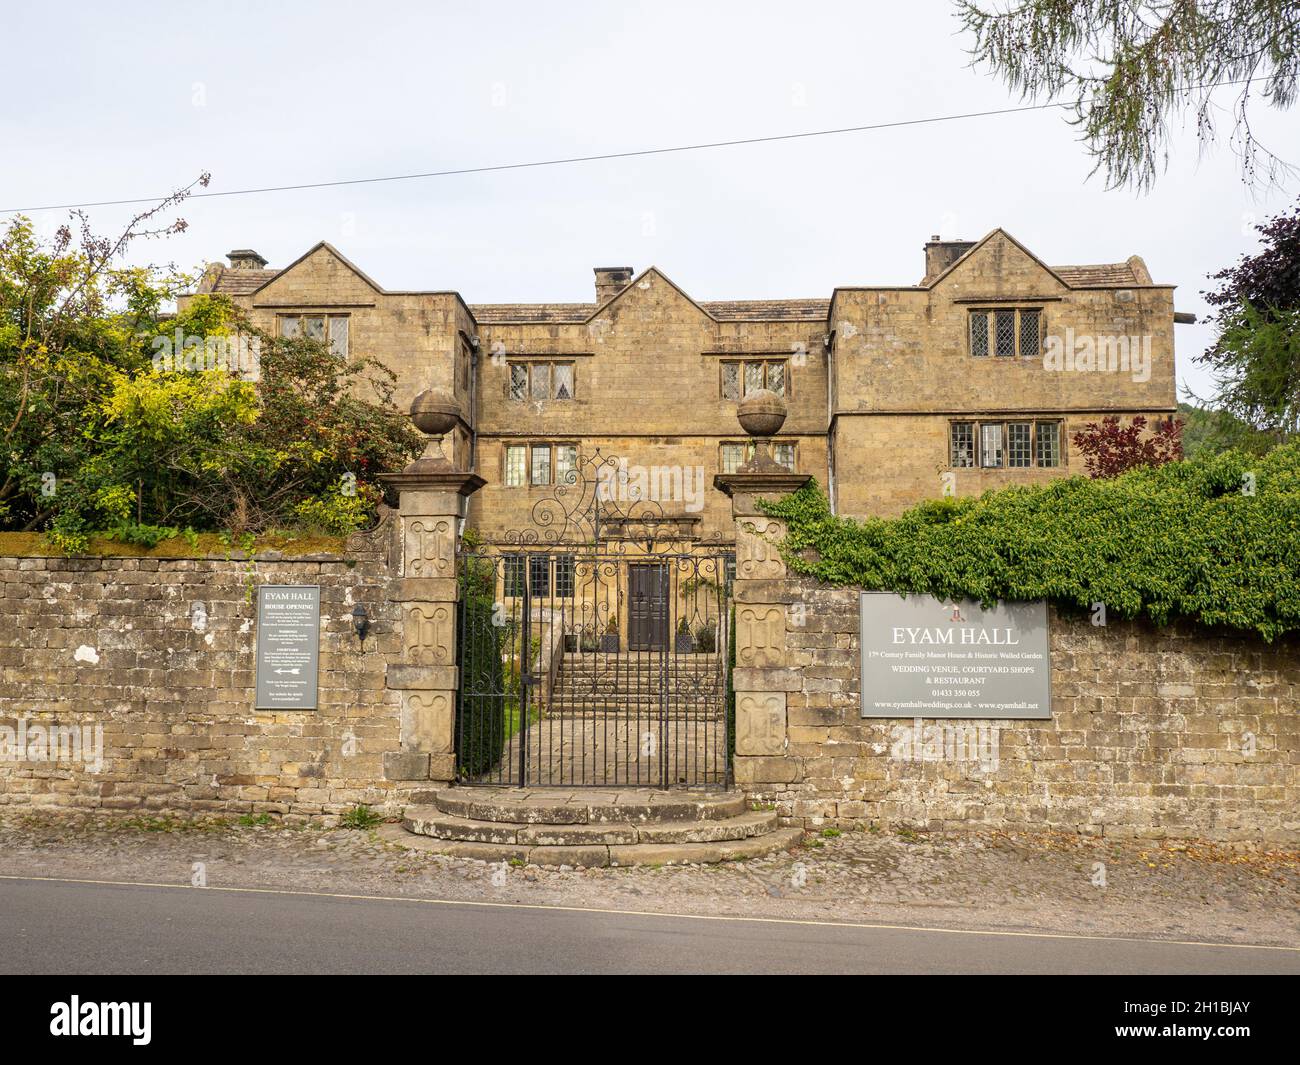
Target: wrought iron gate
pixel 594 649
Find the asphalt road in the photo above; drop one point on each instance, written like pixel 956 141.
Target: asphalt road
pixel 66 927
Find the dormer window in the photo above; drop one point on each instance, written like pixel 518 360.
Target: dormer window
pixel 1006 332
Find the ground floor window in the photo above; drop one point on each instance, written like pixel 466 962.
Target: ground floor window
pixel 539 464
pixel 731 456
pixel 1004 444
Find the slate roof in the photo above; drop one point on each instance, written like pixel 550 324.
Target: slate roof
pixel 241 282
pixel 725 310
pixel 1104 275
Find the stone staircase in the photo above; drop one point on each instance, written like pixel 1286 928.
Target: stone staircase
pixel 591 827
pixel 633 683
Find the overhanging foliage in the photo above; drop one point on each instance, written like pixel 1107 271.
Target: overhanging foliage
pixel 1213 540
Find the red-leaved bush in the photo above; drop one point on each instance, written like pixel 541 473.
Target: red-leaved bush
pixel 1109 448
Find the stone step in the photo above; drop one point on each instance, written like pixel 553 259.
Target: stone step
pixel 430 821
pixel 581 806
pixel 593 855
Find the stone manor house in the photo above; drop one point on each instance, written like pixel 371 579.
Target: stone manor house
pixel 895 393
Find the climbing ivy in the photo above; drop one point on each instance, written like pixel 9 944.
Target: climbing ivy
pixel 1214 540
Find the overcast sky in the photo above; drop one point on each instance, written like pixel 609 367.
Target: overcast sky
pixel 133 99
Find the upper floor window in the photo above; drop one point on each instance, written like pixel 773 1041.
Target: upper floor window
pixel 329 327
pixel 540 381
pixel 1007 332
pixel 1010 445
pixel 740 378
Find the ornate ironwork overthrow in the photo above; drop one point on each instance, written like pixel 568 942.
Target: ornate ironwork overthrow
pixel 598 505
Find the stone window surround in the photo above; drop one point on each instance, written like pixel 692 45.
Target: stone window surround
pixel 1031 420
pixel 989 312
pixel 527 365
pixel 741 361
pixel 528 446
pixel 330 316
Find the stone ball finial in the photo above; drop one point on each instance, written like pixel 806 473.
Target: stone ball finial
pixel 761 413
pixel 434 412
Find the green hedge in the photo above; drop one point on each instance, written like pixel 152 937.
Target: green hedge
pixel 481 701
pixel 1184 540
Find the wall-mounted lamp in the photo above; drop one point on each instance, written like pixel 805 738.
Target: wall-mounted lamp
pixel 360 622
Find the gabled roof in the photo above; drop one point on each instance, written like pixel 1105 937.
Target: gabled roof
pixel 635 283
pixel 312 251
pixel 979 244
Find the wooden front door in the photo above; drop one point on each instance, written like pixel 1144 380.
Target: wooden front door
pixel 647 607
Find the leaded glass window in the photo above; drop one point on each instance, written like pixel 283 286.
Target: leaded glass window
pixel 1031 340
pixel 1004 329
pixel 539 574
pixel 518 381
pixel 516 465
pixel 541 374
pixel 566 463
pixel 979 333
pixel 731 380
pixel 541 464
pixel 1049 443
pixel 776 377
pixel 564 576
pixel 513 575
pixel 1018 450
pixel 991 445
pixel 963 445
pixel 733 457
pixel 563 380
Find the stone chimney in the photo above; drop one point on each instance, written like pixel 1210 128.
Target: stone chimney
pixel 245 259
pixel 941 254
pixel 611 280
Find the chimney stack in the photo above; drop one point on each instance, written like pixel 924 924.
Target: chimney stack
pixel 245 259
pixel 611 280
pixel 941 254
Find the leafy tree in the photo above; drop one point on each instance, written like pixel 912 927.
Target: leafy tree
pixel 69 318
pixel 1110 448
pixel 1208 432
pixel 1129 67
pixel 120 419
pixel 1256 355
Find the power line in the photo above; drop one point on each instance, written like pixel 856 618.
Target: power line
pixel 592 158
pixel 554 162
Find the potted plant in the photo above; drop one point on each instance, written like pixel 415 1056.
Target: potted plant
pixel 684 644
pixel 587 640
pixel 570 642
pixel 609 642
pixel 706 640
